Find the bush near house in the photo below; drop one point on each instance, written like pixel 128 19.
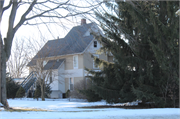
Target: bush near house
pixel 20 93
pixel 48 91
pixel 77 87
pixel 11 87
pixel 68 93
pixel 82 90
pixel 91 96
pixel 37 93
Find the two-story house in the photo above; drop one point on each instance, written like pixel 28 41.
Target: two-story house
pixel 68 57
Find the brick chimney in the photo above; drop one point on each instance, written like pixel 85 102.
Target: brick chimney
pixel 83 21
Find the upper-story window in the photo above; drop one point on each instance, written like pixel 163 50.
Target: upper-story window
pixel 95 44
pixel 75 61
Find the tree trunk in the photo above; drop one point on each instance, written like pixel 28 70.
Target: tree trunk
pixel 1 48
pixel 3 76
pixel 42 92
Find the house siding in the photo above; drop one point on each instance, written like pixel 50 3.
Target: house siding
pixel 88 60
pixel 80 61
pixel 110 58
pixel 61 77
pixel 66 84
pixel 103 57
pixel 69 62
pixel 77 79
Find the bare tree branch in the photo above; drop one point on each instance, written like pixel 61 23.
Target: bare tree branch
pixel 8 6
pixel 23 18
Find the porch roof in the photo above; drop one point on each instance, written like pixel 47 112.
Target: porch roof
pixel 53 64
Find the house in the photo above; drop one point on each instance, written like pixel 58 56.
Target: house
pixel 67 58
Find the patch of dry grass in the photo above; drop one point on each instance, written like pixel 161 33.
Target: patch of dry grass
pixel 27 109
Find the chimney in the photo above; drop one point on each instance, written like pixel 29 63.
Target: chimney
pixel 83 21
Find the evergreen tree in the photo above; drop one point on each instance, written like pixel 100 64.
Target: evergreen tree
pixel 37 93
pixel 11 87
pixel 143 38
pixel 20 93
pixel 48 91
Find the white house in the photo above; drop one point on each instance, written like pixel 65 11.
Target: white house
pixel 68 57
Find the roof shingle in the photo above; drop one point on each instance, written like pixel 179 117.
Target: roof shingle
pixel 53 64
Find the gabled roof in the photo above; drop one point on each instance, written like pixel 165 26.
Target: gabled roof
pixel 53 64
pixel 74 42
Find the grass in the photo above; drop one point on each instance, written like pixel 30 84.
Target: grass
pixel 27 109
pixel 43 110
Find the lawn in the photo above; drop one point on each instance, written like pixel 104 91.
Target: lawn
pixel 28 108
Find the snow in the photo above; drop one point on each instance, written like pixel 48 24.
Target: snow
pixel 65 109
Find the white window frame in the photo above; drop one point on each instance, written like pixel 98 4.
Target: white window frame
pixel 75 67
pixel 94 67
pixel 71 83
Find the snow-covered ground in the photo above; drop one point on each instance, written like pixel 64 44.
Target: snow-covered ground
pixel 65 109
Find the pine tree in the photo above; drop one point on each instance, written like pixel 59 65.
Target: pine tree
pixel 20 93
pixel 143 38
pixel 166 49
pixel 48 91
pixel 11 87
pixel 37 93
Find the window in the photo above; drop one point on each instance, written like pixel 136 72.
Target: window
pixel 75 61
pixel 50 79
pixel 95 66
pixel 95 44
pixel 71 83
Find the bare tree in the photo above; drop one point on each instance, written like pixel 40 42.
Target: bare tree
pixel 43 75
pixel 49 9
pixel 43 65
pixel 16 65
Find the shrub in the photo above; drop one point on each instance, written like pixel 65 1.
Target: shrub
pixel 77 87
pixel 90 95
pixel 37 93
pixel 11 87
pixel 20 93
pixel 83 90
pixel 48 91
pixel 67 93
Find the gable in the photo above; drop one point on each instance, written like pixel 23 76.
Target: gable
pixel 91 48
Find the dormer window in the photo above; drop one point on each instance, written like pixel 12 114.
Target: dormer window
pixel 95 44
